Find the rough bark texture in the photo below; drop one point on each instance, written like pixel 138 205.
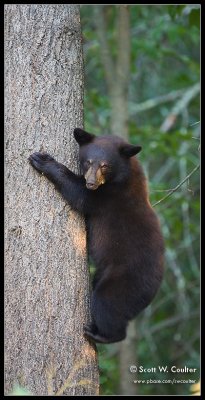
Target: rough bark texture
pixel 46 275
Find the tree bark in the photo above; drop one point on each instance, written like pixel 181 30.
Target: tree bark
pixel 47 299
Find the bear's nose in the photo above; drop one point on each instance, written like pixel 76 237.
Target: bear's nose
pixel 91 185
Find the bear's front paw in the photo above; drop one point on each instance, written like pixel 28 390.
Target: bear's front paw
pixel 40 161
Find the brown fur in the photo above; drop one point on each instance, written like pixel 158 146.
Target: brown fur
pixel 123 232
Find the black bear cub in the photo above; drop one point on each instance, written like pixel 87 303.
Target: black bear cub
pixel 123 232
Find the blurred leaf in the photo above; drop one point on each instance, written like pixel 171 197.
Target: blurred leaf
pixel 175 10
pixel 194 18
pixel 20 391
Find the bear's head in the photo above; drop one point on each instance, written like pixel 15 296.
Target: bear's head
pixel 104 158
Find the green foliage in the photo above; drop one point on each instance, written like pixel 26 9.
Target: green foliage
pixel 165 54
pixel 109 372
pixel 20 391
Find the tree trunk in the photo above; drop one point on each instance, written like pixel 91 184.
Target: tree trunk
pixel 117 73
pixel 119 94
pixel 47 298
pixel 128 358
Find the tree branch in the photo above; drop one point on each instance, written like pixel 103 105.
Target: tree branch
pixel 179 107
pixel 172 321
pixel 178 186
pixel 151 103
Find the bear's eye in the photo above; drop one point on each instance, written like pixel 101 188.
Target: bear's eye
pixel 104 167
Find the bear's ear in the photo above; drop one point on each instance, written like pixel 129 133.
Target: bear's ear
pixel 83 137
pixel 129 150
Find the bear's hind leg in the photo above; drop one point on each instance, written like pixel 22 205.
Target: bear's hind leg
pixel 108 325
